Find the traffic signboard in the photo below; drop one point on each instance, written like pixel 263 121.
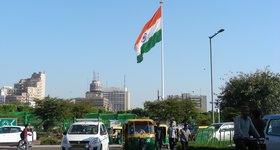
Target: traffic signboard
pixel 8 121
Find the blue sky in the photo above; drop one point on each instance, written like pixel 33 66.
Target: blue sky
pixel 69 40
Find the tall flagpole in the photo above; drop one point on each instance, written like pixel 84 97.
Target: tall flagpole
pixel 162 54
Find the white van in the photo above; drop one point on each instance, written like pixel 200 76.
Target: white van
pixel 272 131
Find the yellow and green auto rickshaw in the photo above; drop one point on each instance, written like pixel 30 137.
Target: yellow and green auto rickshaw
pixel 165 139
pixel 139 133
pixel 116 135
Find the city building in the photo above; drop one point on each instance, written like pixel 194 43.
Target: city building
pixel 98 102
pixel 113 98
pixel 4 92
pixel 95 97
pixel 199 100
pixel 119 97
pixel 29 89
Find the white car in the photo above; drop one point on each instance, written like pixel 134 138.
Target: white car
pixel 272 131
pixel 86 134
pixel 10 135
pixel 222 131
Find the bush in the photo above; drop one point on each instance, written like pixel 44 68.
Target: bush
pixel 50 141
pixel 41 135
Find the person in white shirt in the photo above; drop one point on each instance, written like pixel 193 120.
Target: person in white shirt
pixel 172 133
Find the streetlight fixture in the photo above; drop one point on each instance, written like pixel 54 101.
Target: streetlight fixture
pixel 211 72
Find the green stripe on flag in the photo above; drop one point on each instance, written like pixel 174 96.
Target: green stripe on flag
pixel 149 44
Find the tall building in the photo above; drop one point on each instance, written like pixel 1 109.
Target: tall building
pixel 114 99
pixel 119 97
pixel 95 96
pixel 199 100
pixel 29 89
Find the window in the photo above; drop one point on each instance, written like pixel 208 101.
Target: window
pixel 83 129
pixel 103 130
pixel 274 127
pixel 5 130
pixel 141 128
pixel 14 130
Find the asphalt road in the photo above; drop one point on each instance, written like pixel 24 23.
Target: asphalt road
pixel 50 147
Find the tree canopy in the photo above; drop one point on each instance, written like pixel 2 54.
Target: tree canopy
pixel 259 90
pixel 165 110
pixel 53 111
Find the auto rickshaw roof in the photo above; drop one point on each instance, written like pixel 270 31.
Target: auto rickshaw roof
pixel 163 125
pixel 117 127
pixel 140 120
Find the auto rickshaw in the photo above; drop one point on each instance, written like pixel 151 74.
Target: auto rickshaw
pixel 139 134
pixel 165 139
pixel 116 135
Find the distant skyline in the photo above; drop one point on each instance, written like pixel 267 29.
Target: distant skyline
pixel 69 40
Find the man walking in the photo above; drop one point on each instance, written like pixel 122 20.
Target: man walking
pixel 185 136
pixel 172 133
pixel 23 136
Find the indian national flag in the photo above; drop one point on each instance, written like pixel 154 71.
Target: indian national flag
pixel 149 36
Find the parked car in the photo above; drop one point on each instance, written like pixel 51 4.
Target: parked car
pixel 221 131
pixel 10 135
pixel 272 131
pixel 86 134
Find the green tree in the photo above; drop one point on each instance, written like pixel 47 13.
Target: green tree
pixel 228 113
pixel 24 108
pixel 165 110
pixel 202 118
pixel 259 90
pixel 7 108
pixel 53 111
pixel 139 112
pixel 79 110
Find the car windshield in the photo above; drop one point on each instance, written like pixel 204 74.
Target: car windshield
pixel 141 128
pixel 83 129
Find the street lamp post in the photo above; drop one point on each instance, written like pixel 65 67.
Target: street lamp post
pixel 211 72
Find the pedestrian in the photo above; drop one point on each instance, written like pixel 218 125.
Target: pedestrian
pixel 185 135
pixel 172 133
pixel 158 137
pixel 242 127
pixel 259 125
pixel 25 133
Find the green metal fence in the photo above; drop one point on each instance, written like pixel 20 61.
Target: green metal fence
pixel 33 120
pixel 214 138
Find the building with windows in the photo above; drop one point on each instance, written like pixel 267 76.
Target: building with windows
pixel 32 88
pixel 119 97
pixel 95 97
pixel 199 100
pixel 113 98
pixel 29 89
pixel 4 92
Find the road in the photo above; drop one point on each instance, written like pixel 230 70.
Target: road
pixel 53 147
pixel 50 147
